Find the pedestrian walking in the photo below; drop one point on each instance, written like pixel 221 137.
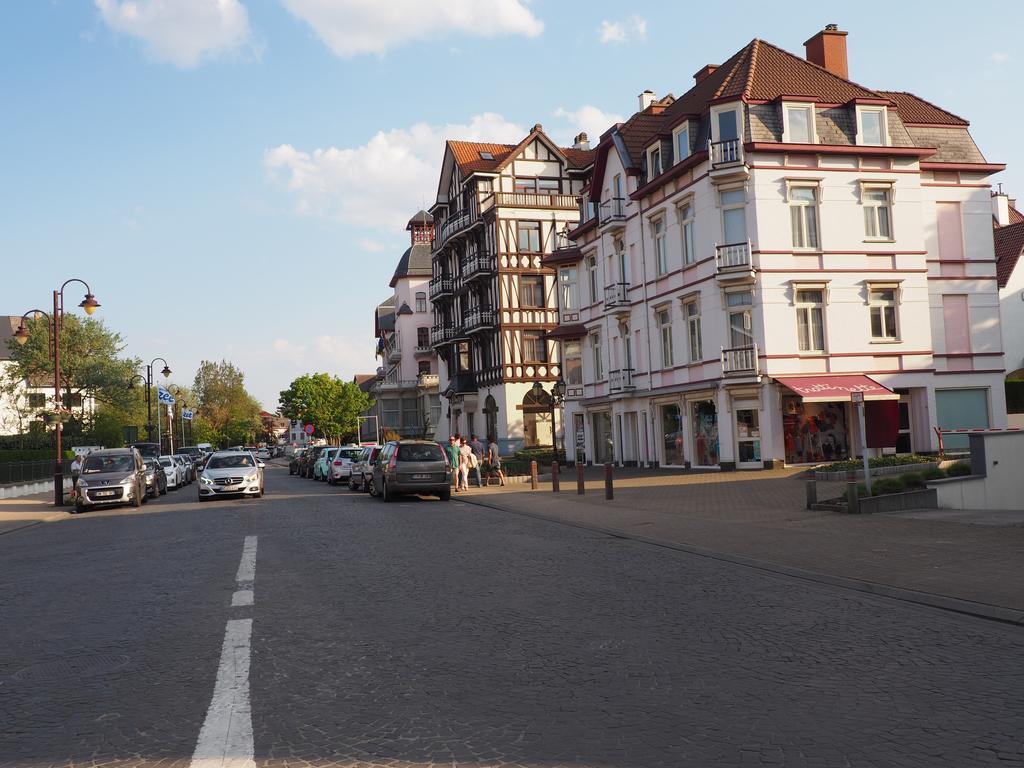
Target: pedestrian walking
pixel 494 459
pixel 478 455
pixel 453 459
pixel 465 457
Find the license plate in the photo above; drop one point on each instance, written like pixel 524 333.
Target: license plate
pixel 422 477
pixel 104 493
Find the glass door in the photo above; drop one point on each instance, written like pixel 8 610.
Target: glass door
pixel 748 439
pixel 672 436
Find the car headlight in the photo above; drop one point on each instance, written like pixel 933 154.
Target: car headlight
pixel 205 480
pixel 128 481
pixel 252 478
pixel 82 484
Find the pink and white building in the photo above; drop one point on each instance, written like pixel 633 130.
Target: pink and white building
pixel 753 251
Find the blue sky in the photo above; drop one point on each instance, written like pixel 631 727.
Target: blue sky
pixel 233 176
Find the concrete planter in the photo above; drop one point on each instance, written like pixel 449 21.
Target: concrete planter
pixel 849 474
pixel 898 502
pixel 29 488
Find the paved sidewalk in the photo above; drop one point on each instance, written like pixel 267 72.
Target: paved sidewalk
pixel 761 516
pixel 29 510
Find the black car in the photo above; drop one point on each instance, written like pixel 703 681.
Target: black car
pixel 309 458
pixel 293 464
pixel 156 478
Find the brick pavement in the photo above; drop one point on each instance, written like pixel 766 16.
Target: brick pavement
pixel 24 511
pixel 762 516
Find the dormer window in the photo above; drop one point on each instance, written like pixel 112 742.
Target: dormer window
pixel 871 126
pixel 654 162
pixel 798 124
pixel 682 142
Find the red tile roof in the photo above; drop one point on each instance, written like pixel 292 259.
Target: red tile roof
pixel 1016 217
pixel 1009 242
pixel 467 155
pixel 916 111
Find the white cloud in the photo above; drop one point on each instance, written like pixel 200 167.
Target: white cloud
pixel 633 28
pixel 998 57
pixel 383 182
pixel 353 27
pixel 372 246
pixel 589 118
pixel 182 32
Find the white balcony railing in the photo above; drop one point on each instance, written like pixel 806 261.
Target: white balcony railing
pixel 728 152
pixel 393 348
pixel 427 380
pixel 612 210
pixel 440 335
pixel 733 257
pixel 477 319
pixel 740 361
pixel 621 380
pixel 616 296
pixel 476 266
pixel 440 286
pixel 537 200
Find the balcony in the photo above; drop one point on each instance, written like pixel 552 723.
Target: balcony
pixel 478 266
pixel 613 212
pixel 740 361
pixel 480 320
pixel 393 384
pixel 732 261
pixel 727 159
pixel 621 380
pixel 439 335
pixel 537 200
pixel 616 298
pixel 440 287
pixel 454 224
pixel 393 348
pixel 423 346
pixel 428 380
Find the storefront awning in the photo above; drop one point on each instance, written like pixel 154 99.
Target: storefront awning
pixel 830 389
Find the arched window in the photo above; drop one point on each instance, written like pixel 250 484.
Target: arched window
pixel 537 425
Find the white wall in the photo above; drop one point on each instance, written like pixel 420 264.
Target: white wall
pixel 1003 485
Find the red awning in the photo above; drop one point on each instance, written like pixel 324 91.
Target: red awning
pixel 830 389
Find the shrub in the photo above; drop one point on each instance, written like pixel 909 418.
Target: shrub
pixel 912 480
pixel 884 485
pixel 889 460
pixel 960 469
pixel 932 473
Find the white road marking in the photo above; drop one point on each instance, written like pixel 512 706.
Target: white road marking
pixel 226 740
pixel 247 568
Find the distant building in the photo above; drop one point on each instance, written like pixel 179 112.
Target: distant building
pixel 1008 234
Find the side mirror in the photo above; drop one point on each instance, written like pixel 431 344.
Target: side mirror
pixel 260 464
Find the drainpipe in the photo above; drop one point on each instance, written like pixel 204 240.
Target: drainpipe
pixel 647 321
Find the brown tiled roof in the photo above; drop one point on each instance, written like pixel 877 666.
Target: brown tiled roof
pixel 916 111
pixel 1009 242
pixel 1016 217
pixel 638 131
pixel 579 158
pixel 467 155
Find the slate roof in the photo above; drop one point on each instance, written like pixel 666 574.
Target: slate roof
pixel 1009 242
pixel 914 110
pixel 415 262
pixel 420 217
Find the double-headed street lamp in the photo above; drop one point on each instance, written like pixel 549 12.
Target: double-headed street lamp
pixel 148 378
pixel 55 321
pixel 557 398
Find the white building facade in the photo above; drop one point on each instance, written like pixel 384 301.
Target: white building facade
pixel 773 240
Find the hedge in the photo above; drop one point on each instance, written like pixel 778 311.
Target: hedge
pixel 875 462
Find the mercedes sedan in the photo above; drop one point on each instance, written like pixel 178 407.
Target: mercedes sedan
pixel 231 473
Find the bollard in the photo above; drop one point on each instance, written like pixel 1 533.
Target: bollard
pixel 554 477
pixel 579 478
pixel 608 493
pixel 812 493
pixel 533 474
pixel 852 501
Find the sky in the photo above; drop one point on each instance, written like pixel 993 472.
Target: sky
pixel 233 177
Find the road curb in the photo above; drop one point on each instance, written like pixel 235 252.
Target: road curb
pixel 955 605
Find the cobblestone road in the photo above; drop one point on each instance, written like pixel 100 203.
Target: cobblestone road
pixel 428 634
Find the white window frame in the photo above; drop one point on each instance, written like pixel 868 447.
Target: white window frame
pixel 723 207
pixel 568 284
pixel 689 242
pixel 874 186
pixel 884 125
pixel 417 297
pixel 809 108
pixel 806 308
pixel 653 173
pixel 897 289
pixel 659 244
pixel 684 128
pixel 732 107
pixel 566 357
pixel 597 355
pixel 592 279
pixel 805 231
pixel 663 319
pixel 694 340
pixel 731 310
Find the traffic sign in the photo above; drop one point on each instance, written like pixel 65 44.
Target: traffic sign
pixel 309 429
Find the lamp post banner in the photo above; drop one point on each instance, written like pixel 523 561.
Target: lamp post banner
pixel 164 396
pixel 186 413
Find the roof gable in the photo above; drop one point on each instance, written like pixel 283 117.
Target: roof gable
pixel 1009 243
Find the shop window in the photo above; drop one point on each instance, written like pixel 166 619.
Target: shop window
pixel 705 433
pixel 814 432
pixel 672 435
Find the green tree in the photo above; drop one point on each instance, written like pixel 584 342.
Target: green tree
pixel 328 403
pixel 231 413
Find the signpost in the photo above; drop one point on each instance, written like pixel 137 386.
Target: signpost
pixel 309 429
pixel 857 398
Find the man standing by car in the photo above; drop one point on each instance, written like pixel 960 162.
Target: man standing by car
pixel 478 451
pixel 76 470
pixel 453 459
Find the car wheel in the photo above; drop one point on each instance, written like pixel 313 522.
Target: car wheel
pixel 387 493
pixel 137 500
pixel 79 508
pixel 445 495
pixel 371 487
pixel 351 484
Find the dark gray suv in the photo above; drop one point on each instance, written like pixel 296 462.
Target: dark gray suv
pixel 114 476
pixel 411 466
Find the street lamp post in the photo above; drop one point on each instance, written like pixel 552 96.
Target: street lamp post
pixel 557 398
pixel 149 397
pixel 90 305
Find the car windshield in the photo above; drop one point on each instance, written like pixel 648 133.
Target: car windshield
pixel 351 453
pixel 108 464
pixel 167 462
pixel 231 462
pixel 420 452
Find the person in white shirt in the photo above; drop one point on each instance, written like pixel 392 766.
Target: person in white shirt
pixel 465 458
pixel 76 471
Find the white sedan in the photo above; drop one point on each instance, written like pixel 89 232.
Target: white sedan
pixel 263 454
pixel 172 470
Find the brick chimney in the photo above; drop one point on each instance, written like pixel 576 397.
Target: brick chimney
pixel 828 49
pixel 704 71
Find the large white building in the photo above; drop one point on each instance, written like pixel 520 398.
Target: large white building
pixel 499 211
pixel 762 246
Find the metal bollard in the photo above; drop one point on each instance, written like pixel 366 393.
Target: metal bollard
pixel 608 492
pixel 812 493
pixel 579 478
pixel 533 475
pixel 554 476
pixel 852 500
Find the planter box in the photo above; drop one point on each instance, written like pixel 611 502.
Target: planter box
pixel 899 502
pixel 850 474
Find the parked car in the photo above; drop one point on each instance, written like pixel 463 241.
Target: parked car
pixel 362 468
pixel 264 454
pixel 194 452
pixel 309 458
pixel 147 450
pixel 293 464
pixel 411 466
pixel 114 476
pixel 156 478
pixel 174 480
pixel 187 470
pixel 323 462
pixel 231 473
pixel 339 470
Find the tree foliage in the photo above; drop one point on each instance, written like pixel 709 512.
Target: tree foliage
pixel 227 410
pixel 328 403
